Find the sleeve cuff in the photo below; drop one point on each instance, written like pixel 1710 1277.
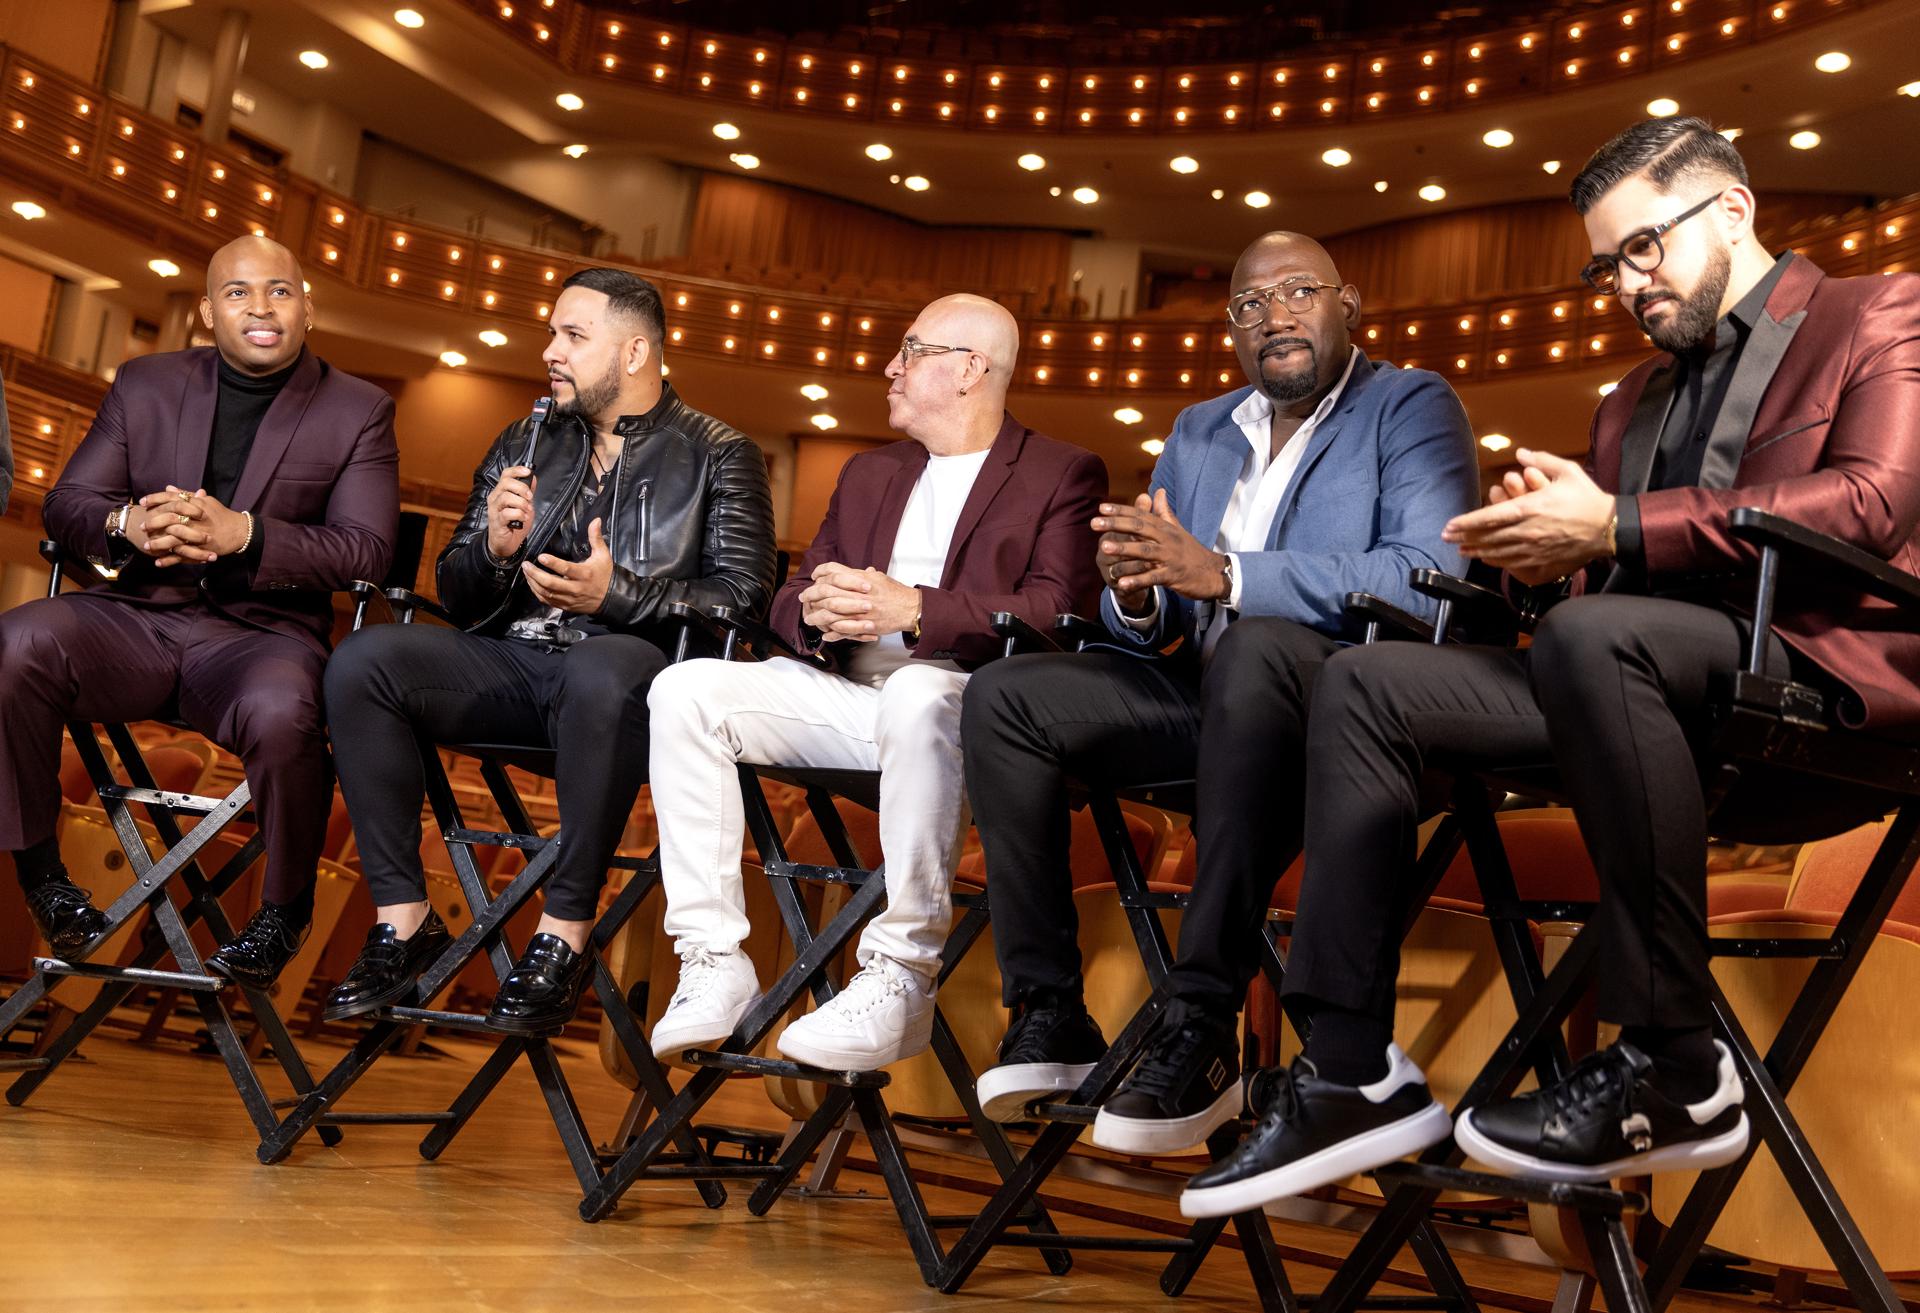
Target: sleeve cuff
pixel 1140 624
pixel 1234 589
pixel 1629 548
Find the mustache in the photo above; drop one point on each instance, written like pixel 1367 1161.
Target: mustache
pixel 1647 300
pixel 1283 343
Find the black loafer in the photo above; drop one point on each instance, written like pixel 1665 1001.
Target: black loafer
pixel 257 955
pixel 542 992
pixel 66 916
pixel 388 969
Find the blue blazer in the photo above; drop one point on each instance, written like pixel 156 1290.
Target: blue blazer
pixel 1391 464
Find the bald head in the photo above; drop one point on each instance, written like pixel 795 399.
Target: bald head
pixel 953 401
pixel 256 304
pixel 1298 316
pixel 987 327
pixel 1294 251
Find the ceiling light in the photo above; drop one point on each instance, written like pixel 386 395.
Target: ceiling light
pixel 823 421
pixel 493 337
pixel 29 211
pixel 1184 164
pixel 1259 200
pixel 1032 163
pixel 409 18
pixel 1053 191
pixel 1085 195
pixel 1733 134
pixel 1606 388
pixel 1550 166
pixel 1496 441
pixel 814 392
pixel 1804 140
pixel 726 132
pixel 1834 61
pixel 1381 185
pixel 1910 89
pixel 1335 156
pixel 914 182
pixel 568 101
pixel 313 59
pixel 1498 138
pixel 452 359
pixel 574 151
pixel 1153 446
pixel 745 160
pixel 1218 194
pixel 1663 108
pixel 1433 191
pixel 879 151
pixel 1128 415
pixel 165 268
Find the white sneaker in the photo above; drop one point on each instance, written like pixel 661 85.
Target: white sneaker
pixel 884 1015
pixel 715 991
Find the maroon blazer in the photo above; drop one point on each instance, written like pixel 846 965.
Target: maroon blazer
pixel 1022 543
pixel 1821 425
pixel 322 480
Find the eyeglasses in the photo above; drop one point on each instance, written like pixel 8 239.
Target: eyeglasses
pixel 1250 309
pixel 1642 252
pixel 912 348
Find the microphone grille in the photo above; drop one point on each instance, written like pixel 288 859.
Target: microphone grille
pixel 542 408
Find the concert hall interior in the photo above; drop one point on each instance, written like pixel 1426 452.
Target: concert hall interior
pixel 798 181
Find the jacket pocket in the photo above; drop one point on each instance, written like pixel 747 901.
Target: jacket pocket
pixel 306 471
pixel 1798 424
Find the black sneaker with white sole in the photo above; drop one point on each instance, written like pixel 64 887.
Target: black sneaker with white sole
pixel 1608 1119
pixel 1047 1052
pixel 1186 1086
pixel 1312 1133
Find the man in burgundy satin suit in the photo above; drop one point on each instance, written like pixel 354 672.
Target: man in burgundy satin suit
pixel 222 495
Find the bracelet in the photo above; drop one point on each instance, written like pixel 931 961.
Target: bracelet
pixel 1226 569
pixel 248 540
pixel 913 631
pixel 1613 530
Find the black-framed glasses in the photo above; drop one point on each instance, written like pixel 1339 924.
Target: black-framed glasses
pixel 912 349
pixel 1642 252
pixel 1249 309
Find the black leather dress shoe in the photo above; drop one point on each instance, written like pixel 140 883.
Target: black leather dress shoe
pixel 542 992
pixel 388 969
pixel 65 916
pixel 260 952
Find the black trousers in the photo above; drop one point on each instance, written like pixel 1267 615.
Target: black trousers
pixel 390 682
pixel 1614 693
pixel 1238 729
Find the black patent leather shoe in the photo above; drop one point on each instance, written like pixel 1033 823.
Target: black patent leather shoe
pixel 260 952
pixel 388 969
pixel 542 992
pixel 66 916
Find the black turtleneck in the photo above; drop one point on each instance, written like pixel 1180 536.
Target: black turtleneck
pixel 242 404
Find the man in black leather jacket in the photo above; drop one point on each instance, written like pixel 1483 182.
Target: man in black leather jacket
pixel 559 577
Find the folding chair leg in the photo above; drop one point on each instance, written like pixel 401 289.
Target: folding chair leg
pixel 1614 1264
pixel 1574 1294
pixel 63 1044
pixel 471 1096
pixel 908 1202
pixel 1449 1286
pixel 832 1157
pixel 829 1118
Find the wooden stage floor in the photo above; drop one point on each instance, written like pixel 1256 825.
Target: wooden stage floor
pixel 130 1184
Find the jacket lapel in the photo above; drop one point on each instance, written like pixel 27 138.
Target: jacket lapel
pixel 893 504
pixel 1642 438
pixel 1733 426
pixel 1225 457
pixel 994 473
pixel 276 432
pixel 1318 441
pixel 194 433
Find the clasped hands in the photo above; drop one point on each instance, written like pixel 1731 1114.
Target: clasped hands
pixel 1541 522
pixel 177 526
pixel 859 606
pixel 1143 546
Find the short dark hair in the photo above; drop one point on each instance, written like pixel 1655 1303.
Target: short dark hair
pixel 629 296
pixel 1664 149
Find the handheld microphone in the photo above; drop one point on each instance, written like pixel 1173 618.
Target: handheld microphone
pixel 541 409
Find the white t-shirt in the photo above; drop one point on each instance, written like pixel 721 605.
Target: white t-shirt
pixel 920 551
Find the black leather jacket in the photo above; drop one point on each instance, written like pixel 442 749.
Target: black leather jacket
pixel 692 520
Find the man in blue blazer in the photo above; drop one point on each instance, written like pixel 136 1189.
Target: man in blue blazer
pixel 1327 474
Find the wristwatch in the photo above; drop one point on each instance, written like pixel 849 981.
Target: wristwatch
pixel 117 520
pixel 1226 569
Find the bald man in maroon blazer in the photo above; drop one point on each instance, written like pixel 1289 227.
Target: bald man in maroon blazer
pixel 221 496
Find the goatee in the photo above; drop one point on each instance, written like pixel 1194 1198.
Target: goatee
pixel 1694 316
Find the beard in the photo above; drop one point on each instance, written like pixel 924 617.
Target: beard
pixel 1296 384
pixel 592 398
pixel 1694 316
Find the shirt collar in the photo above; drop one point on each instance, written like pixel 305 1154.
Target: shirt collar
pixel 627 425
pixel 1754 304
pixel 1258 406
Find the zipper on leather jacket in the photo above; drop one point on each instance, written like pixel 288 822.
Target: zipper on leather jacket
pixel 646 518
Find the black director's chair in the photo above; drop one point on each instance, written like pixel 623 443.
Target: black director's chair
pixel 166 932
pixel 317 1106
pixel 1771 733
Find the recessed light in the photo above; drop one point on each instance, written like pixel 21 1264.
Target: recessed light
pixel 1380 185
pixel 1053 191
pixel 574 151
pixel 1128 415
pixel 1085 195
pixel 1218 194
pixel 1550 166
pixel 165 268
pixel 568 101
pixel 1496 441
pixel 745 160
pixel 1184 164
pixel 1663 108
pixel 914 182
pixel 409 18
pixel 1834 61
pixel 1433 191
pixel 879 151
pixel 726 132
pixel 1498 138
pixel 1606 388
pixel 814 392
pixel 493 337
pixel 1336 157
pixel 1032 163
pixel 313 59
pixel 452 359
pixel 1153 446
pixel 1259 200
pixel 1804 140
pixel 29 211
pixel 823 421
pixel 1733 134
pixel 1911 89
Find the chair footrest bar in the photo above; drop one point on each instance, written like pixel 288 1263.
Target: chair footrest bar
pixel 54 966
pixel 180 802
pixel 22 1064
pixel 450 1020
pixel 746 1062
pixel 960 1221
pixel 385 1118
pixel 1076 1114
pixel 711 1172
pixel 1436 1302
pixel 1597 1199
pixel 1117 1243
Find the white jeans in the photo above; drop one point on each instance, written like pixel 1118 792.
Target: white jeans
pixel 709 714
